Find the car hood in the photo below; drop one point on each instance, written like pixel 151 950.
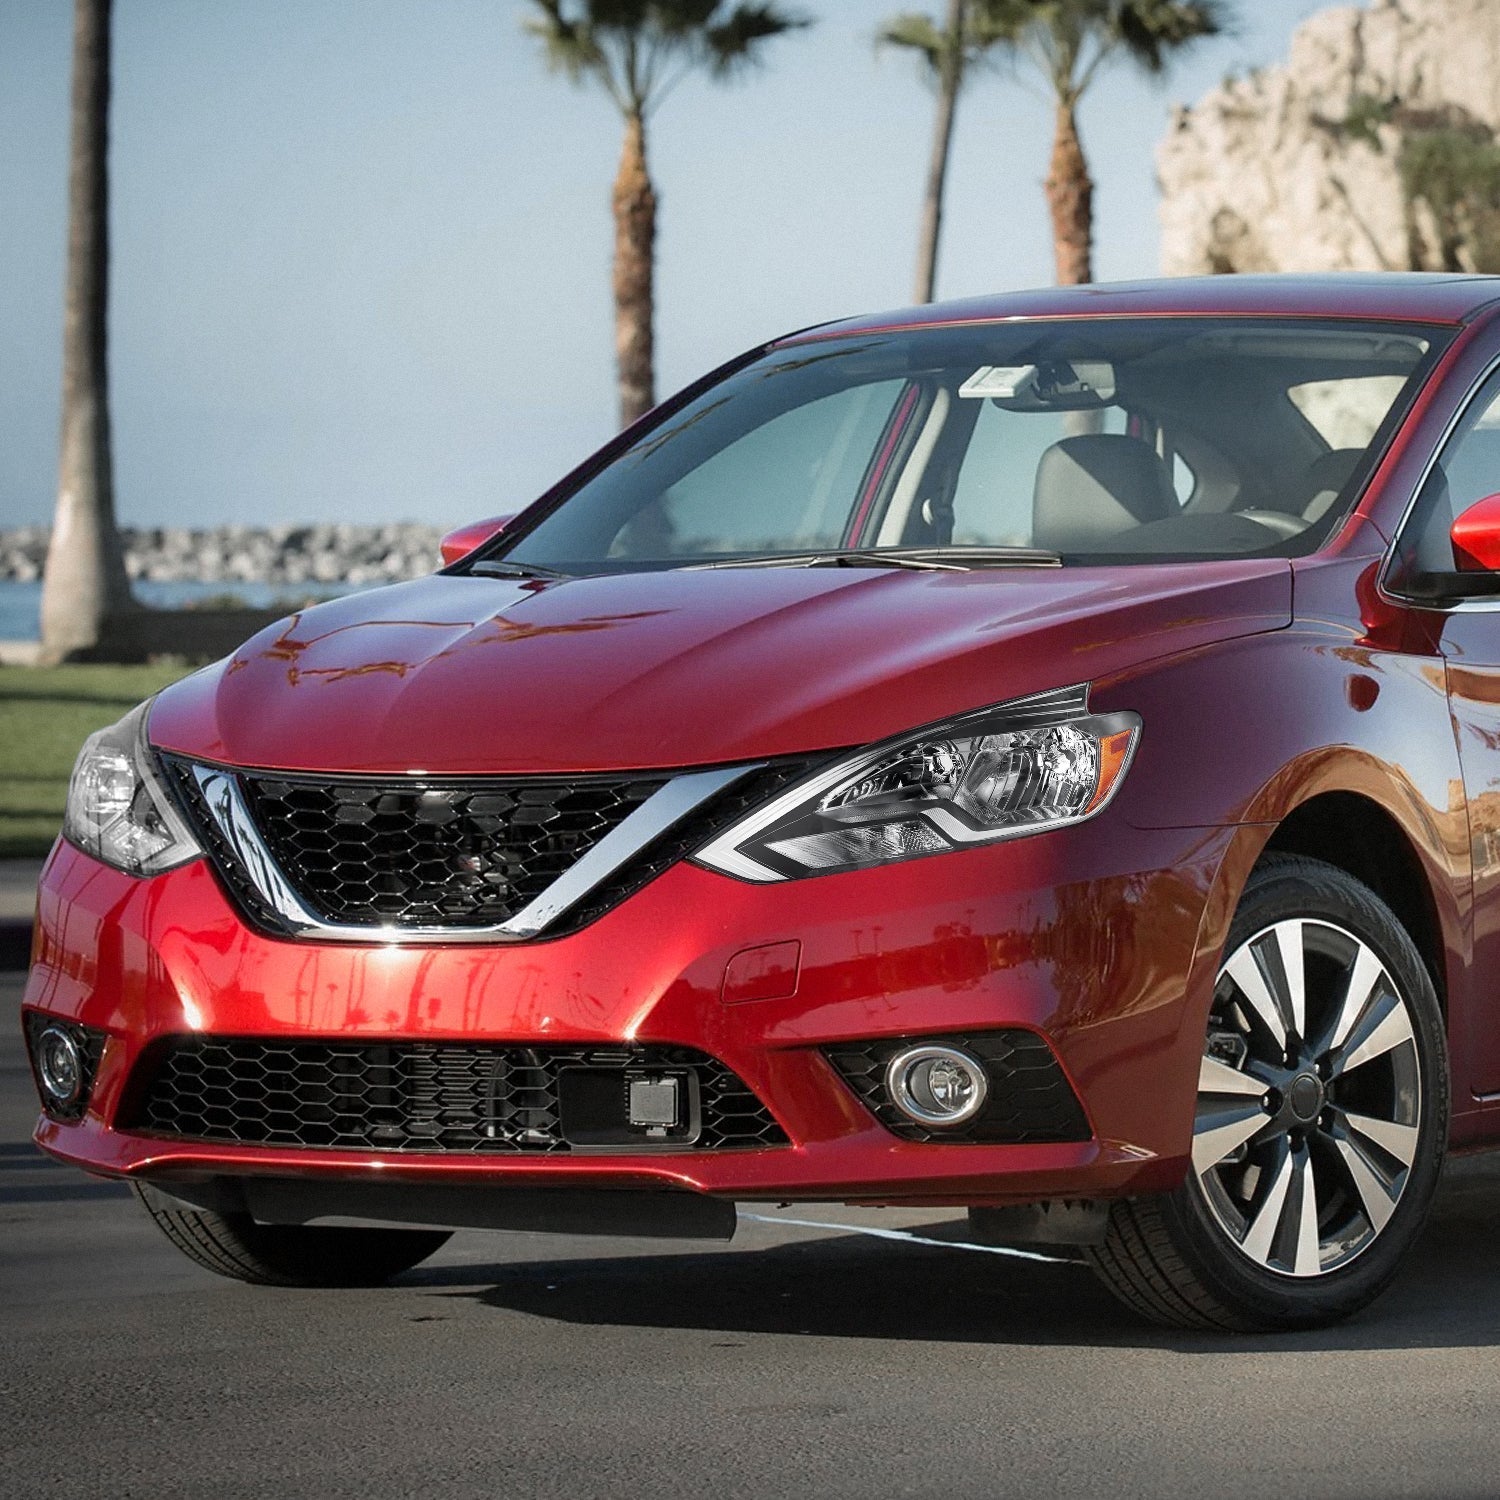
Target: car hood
pixel 645 670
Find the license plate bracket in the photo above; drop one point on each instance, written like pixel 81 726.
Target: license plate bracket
pixel 629 1108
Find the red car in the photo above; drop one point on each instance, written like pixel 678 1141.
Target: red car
pixel 1039 755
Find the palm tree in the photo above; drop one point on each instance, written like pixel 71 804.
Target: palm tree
pixel 1069 41
pixel 948 52
pixel 637 51
pixel 85 582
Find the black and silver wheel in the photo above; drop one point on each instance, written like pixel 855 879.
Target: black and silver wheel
pixel 306 1255
pixel 1321 1119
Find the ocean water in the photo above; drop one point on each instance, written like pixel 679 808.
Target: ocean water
pixel 21 603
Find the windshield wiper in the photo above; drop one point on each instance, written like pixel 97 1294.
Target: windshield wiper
pixel 937 559
pixel 809 560
pixel 498 567
pixel 950 559
pixel 997 557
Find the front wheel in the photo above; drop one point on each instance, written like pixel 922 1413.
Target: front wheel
pixel 309 1255
pixel 1321 1121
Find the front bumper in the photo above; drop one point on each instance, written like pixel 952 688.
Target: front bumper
pixel 1088 937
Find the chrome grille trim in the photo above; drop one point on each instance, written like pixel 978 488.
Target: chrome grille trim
pixel 222 796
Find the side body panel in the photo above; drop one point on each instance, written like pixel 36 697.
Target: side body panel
pixel 1468 639
pixel 1471 644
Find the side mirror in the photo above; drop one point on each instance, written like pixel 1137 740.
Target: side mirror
pixel 1476 537
pixel 459 544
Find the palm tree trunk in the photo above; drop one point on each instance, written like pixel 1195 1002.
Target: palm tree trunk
pixel 85 581
pixel 635 254
pixel 1070 197
pixel 950 80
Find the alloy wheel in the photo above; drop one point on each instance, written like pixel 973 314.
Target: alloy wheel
pixel 1309 1098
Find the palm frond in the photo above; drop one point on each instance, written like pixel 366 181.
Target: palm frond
pixel 1008 18
pixel 680 18
pixel 999 25
pixel 638 49
pixel 916 33
pixel 569 43
pixel 1036 29
pixel 619 15
pixel 1069 39
pixel 1150 30
pixel 735 42
pixel 986 28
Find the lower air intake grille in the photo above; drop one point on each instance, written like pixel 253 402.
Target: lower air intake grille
pixel 1030 1099
pixel 440 1097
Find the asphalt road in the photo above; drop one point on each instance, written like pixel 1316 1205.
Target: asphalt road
pixel 795 1361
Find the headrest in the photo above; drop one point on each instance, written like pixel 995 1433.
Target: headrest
pixel 1326 477
pixel 1091 488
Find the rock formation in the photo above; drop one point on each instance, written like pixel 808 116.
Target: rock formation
pixel 1372 148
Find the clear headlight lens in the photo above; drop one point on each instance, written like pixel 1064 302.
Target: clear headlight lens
pixel 1022 767
pixel 118 810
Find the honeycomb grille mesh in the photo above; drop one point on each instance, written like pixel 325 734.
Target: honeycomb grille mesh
pixel 416 1096
pixel 1030 1099
pixel 367 852
pixel 373 853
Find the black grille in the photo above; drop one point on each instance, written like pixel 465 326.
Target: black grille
pixel 434 854
pixel 90 1044
pixel 1030 1099
pixel 427 1097
pixel 373 852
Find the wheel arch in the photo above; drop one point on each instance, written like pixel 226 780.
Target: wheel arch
pixel 1362 816
pixel 1358 835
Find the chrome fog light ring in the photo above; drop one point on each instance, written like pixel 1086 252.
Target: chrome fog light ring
pixel 60 1067
pixel 937 1085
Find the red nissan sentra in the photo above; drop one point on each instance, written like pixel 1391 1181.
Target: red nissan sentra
pixel 1040 755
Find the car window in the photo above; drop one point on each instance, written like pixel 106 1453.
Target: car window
pixel 1184 480
pixel 995 492
pixel 1472 466
pixel 1123 439
pixel 1346 413
pixel 1467 470
pixel 787 483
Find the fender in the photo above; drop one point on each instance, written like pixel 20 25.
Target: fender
pixel 1372 720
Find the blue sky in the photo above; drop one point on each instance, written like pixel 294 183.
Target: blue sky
pixel 361 247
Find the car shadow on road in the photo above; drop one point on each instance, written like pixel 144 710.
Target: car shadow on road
pixel 27 1176
pixel 854 1286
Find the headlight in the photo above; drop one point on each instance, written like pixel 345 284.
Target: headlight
pixel 118 810
pixel 1026 766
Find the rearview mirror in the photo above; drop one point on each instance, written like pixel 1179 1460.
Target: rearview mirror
pixel 1054 385
pixel 459 544
pixel 1476 537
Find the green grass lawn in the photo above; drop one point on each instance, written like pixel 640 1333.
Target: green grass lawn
pixel 46 713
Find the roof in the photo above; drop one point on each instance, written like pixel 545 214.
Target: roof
pixel 1409 296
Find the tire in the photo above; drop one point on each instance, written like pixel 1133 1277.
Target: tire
pixel 235 1245
pixel 1354 1115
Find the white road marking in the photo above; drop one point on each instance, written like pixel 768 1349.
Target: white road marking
pixel 912 1239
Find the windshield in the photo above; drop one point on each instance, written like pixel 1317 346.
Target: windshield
pixel 1081 440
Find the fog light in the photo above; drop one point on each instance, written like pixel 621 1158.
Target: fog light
pixel 59 1065
pixel 938 1086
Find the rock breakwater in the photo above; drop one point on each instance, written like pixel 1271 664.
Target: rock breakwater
pixel 281 554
